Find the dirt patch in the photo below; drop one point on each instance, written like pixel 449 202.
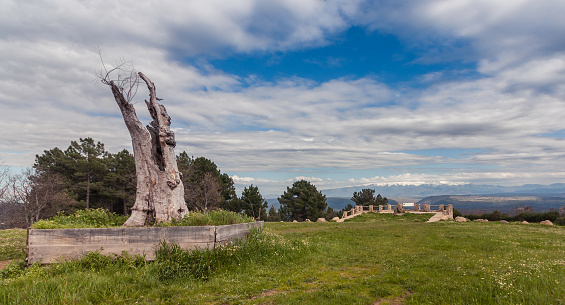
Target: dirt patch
pixel 396 301
pixel 266 294
pixel 3 264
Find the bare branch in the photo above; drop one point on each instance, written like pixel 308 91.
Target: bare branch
pixel 4 181
pixel 123 76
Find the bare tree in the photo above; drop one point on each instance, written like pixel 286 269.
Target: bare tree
pixel 4 181
pixel 206 194
pixel 8 210
pixel 159 193
pixel 33 192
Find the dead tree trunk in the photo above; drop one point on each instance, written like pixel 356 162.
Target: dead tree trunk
pixel 160 193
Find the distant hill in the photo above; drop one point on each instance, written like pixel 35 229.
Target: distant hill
pixel 506 203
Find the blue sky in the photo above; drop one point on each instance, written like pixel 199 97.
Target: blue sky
pixel 338 92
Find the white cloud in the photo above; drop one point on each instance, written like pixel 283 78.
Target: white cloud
pixel 248 125
pixel 309 179
pixel 250 180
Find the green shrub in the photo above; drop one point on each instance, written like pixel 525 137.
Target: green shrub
pixel 531 217
pixel 100 218
pixel 92 218
pixel 214 218
pixel 537 217
pixel 560 221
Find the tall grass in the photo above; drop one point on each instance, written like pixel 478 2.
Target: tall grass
pixel 172 262
pixel 92 218
pixel 100 218
pixel 213 218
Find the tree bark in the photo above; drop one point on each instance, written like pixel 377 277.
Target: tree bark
pixel 160 193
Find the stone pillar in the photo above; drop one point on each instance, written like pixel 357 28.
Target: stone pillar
pixel 440 207
pixel 399 208
pixel 450 211
pixel 426 207
pixel 370 208
pixel 344 214
pixel 352 211
pixel 380 208
pixel 417 207
pixel 389 207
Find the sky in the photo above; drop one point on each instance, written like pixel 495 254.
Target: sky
pixel 338 92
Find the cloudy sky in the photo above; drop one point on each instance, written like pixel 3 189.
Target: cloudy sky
pixel 338 92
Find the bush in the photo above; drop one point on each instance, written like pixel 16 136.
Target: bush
pixel 214 218
pixel 531 217
pixel 537 217
pixel 100 218
pixel 560 221
pixel 92 218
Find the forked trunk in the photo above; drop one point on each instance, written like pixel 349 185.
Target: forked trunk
pixel 160 193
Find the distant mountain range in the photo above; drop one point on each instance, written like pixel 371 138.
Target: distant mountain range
pixel 464 197
pixel 425 190
pixel 506 203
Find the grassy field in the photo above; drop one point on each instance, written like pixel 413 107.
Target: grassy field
pixel 366 260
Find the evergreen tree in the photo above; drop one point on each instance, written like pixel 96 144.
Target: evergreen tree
pixel 381 200
pixel 193 172
pixel 121 180
pixel 302 201
pixel 83 167
pixel 274 214
pixel 367 197
pixel 252 203
pixel 364 197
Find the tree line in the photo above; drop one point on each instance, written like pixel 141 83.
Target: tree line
pixel 85 176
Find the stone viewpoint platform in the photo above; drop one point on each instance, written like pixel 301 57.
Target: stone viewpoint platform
pixel 441 213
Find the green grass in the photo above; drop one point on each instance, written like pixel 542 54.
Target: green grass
pixel 363 260
pixel 12 244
